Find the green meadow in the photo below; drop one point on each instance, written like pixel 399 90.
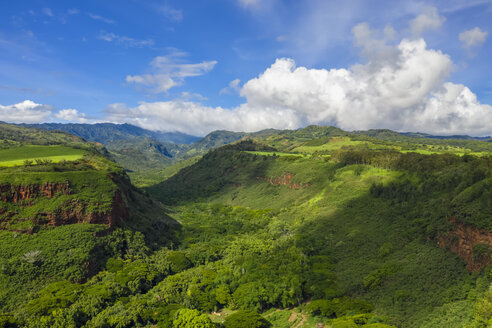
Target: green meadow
pixel 18 155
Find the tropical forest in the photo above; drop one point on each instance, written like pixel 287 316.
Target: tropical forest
pixel 315 227
pixel 246 164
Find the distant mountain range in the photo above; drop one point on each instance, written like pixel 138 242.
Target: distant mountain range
pixel 144 153
pixel 108 132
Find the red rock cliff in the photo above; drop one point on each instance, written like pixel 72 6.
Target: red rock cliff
pixel 462 241
pixel 16 193
pixel 72 212
pixel 76 213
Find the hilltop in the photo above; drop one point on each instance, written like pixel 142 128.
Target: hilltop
pixel 149 156
pixel 377 217
pixel 105 133
pixel 65 208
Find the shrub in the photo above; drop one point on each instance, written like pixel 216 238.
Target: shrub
pixel 186 318
pixel 243 318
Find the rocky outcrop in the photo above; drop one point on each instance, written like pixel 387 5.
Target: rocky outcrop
pixel 284 180
pixel 73 211
pixel 471 244
pixel 16 193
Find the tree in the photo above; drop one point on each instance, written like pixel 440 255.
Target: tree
pixel 243 318
pixel 186 318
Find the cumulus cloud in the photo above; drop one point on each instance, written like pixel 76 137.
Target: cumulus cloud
pixel 402 87
pixel 472 38
pixel 25 112
pixel 373 45
pixel 170 71
pixel 30 112
pixel 196 119
pixel 124 40
pixel 71 115
pixel 429 19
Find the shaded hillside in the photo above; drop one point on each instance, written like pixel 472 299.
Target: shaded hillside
pixel 465 137
pixel 62 219
pixel 376 218
pixel 475 144
pixel 144 158
pixel 12 135
pixel 148 160
pixel 215 139
pixel 309 228
pixel 53 191
pixel 108 132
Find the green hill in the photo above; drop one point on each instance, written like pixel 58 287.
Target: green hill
pixel 315 227
pixel 108 132
pixel 372 219
pixel 65 209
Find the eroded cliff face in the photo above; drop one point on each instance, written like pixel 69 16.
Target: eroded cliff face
pixel 471 244
pixel 284 180
pixel 76 212
pixel 17 193
pixel 72 211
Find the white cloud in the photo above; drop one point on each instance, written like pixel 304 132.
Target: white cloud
pixel 233 87
pixel 407 93
pixel 30 112
pixel 124 40
pixel 196 119
pixel 72 11
pixel 71 115
pixel 400 86
pixel 473 37
pixel 429 19
pixel 389 32
pixel 170 71
pixel 372 47
pixel 100 18
pixel 188 96
pixel 453 109
pixel 25 112
pixel 405 90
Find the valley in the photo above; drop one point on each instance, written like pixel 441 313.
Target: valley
pixel 316 227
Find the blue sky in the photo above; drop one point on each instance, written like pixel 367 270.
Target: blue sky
pixel 197 65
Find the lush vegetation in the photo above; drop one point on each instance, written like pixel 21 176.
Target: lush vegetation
pixel 371 220
pixel 42 206
pixel 107 132
pixel 12 135
pixel 32 154
pixel 307 228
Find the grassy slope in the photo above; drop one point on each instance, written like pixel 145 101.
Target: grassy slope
pixel 374 245
pixel 378 250
pixel 17 155
pixel 73 252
